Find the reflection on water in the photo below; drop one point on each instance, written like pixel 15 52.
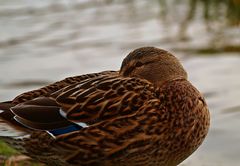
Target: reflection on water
pixel 44 41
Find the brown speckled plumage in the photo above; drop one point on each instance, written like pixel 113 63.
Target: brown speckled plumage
pixel 147 114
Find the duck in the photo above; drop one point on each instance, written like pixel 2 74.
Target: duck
pixel 146 114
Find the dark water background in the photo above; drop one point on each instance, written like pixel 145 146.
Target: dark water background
pixel 45 41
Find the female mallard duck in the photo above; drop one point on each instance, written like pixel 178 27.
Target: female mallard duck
pixel 148 113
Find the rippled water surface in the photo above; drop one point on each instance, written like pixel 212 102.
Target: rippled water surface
pixel 45 41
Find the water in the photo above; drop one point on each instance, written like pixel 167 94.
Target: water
pixel 45 41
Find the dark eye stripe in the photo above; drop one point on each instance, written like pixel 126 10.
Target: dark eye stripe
pixel 149 62
pixel 138 64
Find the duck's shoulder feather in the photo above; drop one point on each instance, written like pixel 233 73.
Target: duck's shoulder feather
pixel 49 89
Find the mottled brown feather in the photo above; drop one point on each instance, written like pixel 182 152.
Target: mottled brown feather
pixel 147 114
pixel 49 89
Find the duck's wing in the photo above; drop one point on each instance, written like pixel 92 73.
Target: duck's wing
pixel 49 89
pixel 86 103
pixel 36 111
pixel 104 98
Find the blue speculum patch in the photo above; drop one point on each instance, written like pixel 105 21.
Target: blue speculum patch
pixel 65 130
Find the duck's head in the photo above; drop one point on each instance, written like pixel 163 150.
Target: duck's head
pixel 153 64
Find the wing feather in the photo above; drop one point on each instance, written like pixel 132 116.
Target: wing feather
pixel 104 97
pixel 89 101
pixel 49 89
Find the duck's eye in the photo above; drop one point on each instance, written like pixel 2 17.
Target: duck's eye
pixel 138 64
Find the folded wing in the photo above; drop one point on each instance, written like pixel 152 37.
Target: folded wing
pixel 87 102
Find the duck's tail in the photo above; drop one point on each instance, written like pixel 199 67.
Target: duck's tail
pixel 8 126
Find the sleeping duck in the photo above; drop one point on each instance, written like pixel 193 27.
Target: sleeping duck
pixel 145 114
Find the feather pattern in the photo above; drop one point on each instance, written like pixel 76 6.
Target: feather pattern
pixel 49 89
pixel 112 118
pixel 103 98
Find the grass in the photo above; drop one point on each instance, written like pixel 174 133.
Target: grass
pixel 7 152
